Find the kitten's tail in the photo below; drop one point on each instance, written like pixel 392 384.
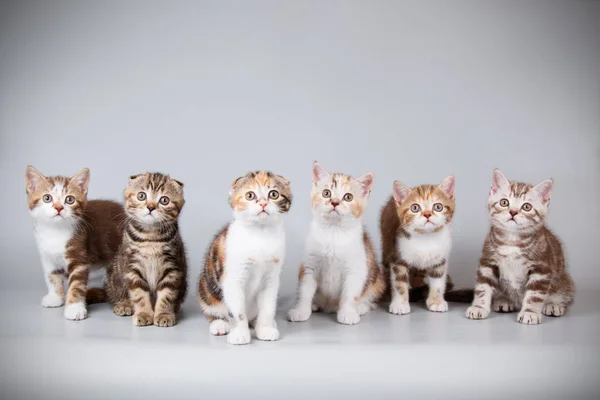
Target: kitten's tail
pixel 460 295
pixel 95 295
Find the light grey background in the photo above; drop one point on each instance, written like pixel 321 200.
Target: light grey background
pixel 206 91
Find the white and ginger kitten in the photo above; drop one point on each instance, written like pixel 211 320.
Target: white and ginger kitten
pixel 341 273
pixel 239 284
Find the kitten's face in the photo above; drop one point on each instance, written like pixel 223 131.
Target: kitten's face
pixel 517 206
pixel 426 208
pixel 260 196
pixel 56 199
pixel 337 197
pixel 153 198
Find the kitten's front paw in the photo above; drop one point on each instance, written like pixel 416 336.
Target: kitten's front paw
pixel 437 305
pixel 268 333
pixel 219 327
pixel 554 310
pixel 75 311
pixel 123 310
pixel 529 318
pixel 348 316
pixel 399 308
pixel 52 300
pixel 299 314
pixel 143 319
pixel 503 306
pixel 475 312
pixel 239 336
pixel 165 320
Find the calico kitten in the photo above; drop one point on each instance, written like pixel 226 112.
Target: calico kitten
pixel 416 242
pixel 148 276
pixel 341 273
pixel 73 235
pixel 240 279
pixel 523 264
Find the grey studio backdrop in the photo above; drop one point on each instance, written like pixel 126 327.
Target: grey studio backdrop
pixel 205 91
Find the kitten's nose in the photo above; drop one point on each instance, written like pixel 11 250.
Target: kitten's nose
pixel 427 214
pixel 59 208
pixel 151 208
pixel 335 203
pixel 513 213
pixel 263 205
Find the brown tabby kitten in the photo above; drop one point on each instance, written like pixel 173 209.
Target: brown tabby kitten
pixel 72 235
pixel 148 276
pixel 523 264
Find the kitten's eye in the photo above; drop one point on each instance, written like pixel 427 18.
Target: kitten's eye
pixel 438 207
pixel 164 200
pixel 504 203
pixel 250 196
pixel 415 208
pixel 326 193
pixel 527 207
pixel 348 197
pixel 70 200
pixel 47 198
pixel 273 194
pixel 141 196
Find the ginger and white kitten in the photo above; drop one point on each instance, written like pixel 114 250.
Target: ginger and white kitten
pixel 416 243
pixel 73 236
pixel 240 280
pixel 523 264
pixel 341 273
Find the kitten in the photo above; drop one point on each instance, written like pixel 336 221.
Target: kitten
pixel 416 243
pixel 341 273
pixel 240 280
pixel 523 264
pixel 73 235
pixel 148 276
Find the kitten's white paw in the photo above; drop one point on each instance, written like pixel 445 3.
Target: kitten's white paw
pixel 437 305
pixel 219 327
pixel 299 314
pixel 399 308
pixel 76 311
pixel 529 318
pixel 502 306
pixel 52 300
pixel 475 312
pixel 348 316
pixel 554 310
pixel 239 336
pixel 269 333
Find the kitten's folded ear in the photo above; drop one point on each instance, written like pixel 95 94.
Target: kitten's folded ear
pixel 544 190
pixel 319 172
pixel 286 181
pixel 448 185
pixel 400 191
pixel 81 180
pixel 234 185
pixel 33 179
pixel 499 182
pixel 366 182
pixel 177 182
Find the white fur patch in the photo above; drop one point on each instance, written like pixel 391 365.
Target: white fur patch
pixel 76 311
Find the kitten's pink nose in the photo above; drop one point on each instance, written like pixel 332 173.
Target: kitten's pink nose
pixel 59 208
pixel 335 203
pixel 427 214
pixel 151 208
pixel 513 213
pixel 263 205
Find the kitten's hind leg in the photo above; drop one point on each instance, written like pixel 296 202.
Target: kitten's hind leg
pixel 501 304
pixel 123 308
pixel 556 305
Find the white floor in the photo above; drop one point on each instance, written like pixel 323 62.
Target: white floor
pixel 423 354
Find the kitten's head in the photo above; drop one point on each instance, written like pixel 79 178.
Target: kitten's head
pixel 517 206
pixel 337 197
pixel 260 196
pixel 56 199
pixel 153 198
pixel 425 208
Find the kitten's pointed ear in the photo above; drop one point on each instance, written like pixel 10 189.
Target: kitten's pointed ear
pixel 319 172
pixel 448 185
pixel 544 190
pixel 366 182
pixel 499 182
pixel 33 179
pixel 401 192
pixel 81 180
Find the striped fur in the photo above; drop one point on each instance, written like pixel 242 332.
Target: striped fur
pixel 148 278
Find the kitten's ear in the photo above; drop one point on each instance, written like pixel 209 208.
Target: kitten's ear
pixel 544 190
pixel 178 182
pixel 81 180
pixel 366 182
pixel 319 172
pixel 33 179
pixel 499 182
pixel 234 185
pixel 448 185
pixel 134 177
pixel 286 181
pixel 401 191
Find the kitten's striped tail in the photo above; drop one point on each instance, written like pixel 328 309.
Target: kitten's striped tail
pixel 460 295
pixel 95 295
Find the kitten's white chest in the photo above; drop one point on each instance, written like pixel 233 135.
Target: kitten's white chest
pixel 425 250
pixel 52 242
pixel 513 271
